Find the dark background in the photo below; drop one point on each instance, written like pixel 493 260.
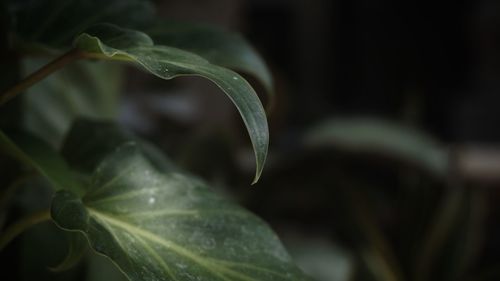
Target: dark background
pixel 379 58
pixel 430 65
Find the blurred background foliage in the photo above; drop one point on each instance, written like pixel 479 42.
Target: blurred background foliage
pixel 385 146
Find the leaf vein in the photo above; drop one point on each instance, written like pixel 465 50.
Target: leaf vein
pixel 209 265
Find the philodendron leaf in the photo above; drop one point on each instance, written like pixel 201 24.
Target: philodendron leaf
pixel 218 46
pixel 170 226
pixel 107 41
pixel 36 154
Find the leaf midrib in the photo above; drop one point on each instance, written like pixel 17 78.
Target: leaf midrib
pixel 168 244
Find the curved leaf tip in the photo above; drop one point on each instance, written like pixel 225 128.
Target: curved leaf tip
pixel 108 41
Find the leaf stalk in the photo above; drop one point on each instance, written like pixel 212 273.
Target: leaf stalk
pixel 40 74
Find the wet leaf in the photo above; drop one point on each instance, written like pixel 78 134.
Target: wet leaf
pixel 218 46
pixel 110 42
pixel 169 226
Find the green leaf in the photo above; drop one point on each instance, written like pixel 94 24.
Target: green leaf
pixel 218 46
pixel 169 226
pixel 111 42
pixel 376 136
pixel 36 154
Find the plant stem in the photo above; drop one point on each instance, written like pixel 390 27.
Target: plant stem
pixel 20 226
pixel 38 75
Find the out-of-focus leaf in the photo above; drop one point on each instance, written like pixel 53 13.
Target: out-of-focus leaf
pixel 218 46
pixel 55 23
pixel 448 248
pixel 40 156
pixel 377 136
pixel 86 89
pixel 85 147
pixel 321 259
pixel 83 89
pixel 111 42
pixel 169 226
pixel 461 250
pixel 372 247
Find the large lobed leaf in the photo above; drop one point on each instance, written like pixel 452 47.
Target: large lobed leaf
pixel 107 41
pixel 165 225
